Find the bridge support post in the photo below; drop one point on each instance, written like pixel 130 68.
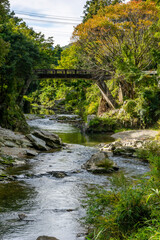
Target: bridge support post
pixel 106 93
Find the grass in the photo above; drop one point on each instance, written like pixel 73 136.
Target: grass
pixel 106 163
pixel 130 210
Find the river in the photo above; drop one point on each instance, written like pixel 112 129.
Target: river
pixel 53 206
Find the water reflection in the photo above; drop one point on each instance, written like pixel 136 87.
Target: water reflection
pixel 15 195
pixel 69 133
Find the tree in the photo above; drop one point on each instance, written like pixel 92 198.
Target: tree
pixel 92 7
pixel 27 50
pixel 4 10
pixel 57 54
pixel 4 47
pixel 121 39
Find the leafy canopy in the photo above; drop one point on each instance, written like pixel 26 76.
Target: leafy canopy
pixel 120 36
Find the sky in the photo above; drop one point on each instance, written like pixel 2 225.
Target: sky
pixel 54 18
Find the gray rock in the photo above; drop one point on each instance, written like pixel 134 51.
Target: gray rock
pixel 52 140
pixel 57 174
pixel 31 153
pixel 100 163
pixel 37 142
pixel 46 238
pixel 11 139
pixel 124 151
pixel 17 152
pixel 10 144
pixel 22 216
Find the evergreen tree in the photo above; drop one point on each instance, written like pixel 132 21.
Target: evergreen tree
pixel 92 6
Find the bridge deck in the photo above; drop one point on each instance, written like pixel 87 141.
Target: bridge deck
pixel 68 73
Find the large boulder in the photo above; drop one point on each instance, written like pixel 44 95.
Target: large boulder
pixel 100 163
pixel 11 139
pixel 52 140
pixel 37 142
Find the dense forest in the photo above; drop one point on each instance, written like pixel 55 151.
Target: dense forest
pixel 120 39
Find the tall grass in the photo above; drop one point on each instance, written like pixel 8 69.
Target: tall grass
pixel 129 210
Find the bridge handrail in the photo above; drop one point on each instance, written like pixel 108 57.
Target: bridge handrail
pixel 65 71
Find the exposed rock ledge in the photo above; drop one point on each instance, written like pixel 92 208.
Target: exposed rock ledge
pixel 135 134
pixel 15 147
pixel 128 142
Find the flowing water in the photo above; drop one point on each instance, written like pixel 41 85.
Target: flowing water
pixel 53 206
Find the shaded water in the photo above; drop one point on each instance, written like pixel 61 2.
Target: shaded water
pixel 53 205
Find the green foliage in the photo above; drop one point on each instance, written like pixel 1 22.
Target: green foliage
pixel 123 213
pixel 149 110
pixel 57 54
pixel 92 99
pixel 21 51
pixel 102 125
pixel 70 58
pixel 93 6
pixel 130 107
pixel 106 163
pixel 151 148
pixel 13 118
pixel 132 210
pixel 92 108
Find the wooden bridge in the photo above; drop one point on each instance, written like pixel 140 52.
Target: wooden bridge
pixel 70 73
pixel 99 78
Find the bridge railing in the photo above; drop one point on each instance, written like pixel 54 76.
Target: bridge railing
pixel 62 71
pixel 72 73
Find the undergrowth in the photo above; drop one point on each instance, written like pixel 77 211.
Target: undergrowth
pixel 130 210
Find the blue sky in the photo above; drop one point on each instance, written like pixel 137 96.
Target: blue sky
pixel 53 11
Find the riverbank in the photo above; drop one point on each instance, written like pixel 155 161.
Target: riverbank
pixel 128 142
pixel 52 184
pixel 130 209
pixel 15 147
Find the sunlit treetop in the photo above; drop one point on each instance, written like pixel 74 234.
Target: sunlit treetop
pixel 134 14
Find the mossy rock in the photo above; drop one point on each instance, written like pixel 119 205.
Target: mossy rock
pixel 124 151
pixel 99 163
pixel 6 160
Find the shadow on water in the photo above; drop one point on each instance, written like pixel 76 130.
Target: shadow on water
pixel 15 195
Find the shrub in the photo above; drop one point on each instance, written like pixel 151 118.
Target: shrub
pixel 132 210
pixel 130 107
pixel 102 125
pixel 149 106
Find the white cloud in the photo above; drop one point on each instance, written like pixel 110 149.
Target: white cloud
pixel 60 32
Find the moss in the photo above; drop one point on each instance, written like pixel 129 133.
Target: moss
pixel 105 163
pixel 6 160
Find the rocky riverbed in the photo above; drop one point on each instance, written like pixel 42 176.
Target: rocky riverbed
pixel 128 142
pixel 43 197
pixel 15 148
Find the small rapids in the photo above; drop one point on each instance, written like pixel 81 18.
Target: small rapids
pixel 53 205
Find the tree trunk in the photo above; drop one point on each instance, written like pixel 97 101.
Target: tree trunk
pixel 103 106
pixel 106 94
pixel 23 92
